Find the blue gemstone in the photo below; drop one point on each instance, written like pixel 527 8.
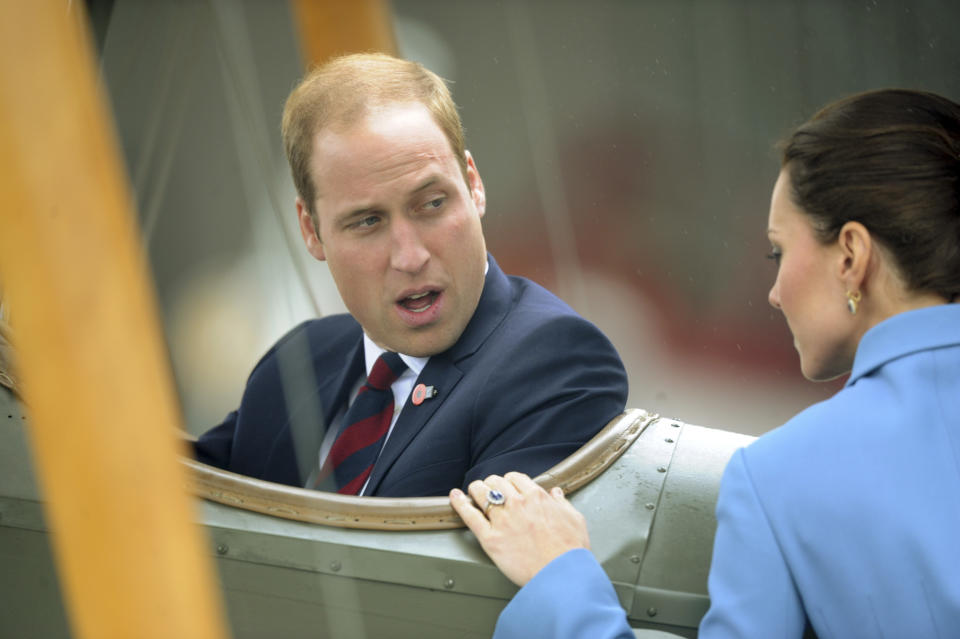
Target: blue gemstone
pixel 495 497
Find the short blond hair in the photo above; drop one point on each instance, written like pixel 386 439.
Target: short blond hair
pixel 341 91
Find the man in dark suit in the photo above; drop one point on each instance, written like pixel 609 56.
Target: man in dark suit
pixel 497 374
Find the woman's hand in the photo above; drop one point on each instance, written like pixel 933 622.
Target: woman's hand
pixel 528 530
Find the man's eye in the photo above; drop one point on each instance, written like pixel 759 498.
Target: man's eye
pixel 775 255
pixel 435 203
pixel 367 222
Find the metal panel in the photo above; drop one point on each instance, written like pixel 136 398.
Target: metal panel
pixel 267 601
pixel 30 601
pixel 650 514
pixel 681 543
pixel 16 469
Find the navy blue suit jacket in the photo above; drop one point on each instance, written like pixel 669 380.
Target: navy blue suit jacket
pixel 527 383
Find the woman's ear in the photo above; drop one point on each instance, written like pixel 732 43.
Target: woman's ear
pixel 856 250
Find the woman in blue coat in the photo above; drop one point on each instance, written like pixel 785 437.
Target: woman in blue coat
pixel 846 518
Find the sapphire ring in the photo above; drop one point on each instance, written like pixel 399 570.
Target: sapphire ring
pixel 494 498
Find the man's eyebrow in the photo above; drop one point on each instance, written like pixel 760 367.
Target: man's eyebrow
pixel 426 184
pixel 433 180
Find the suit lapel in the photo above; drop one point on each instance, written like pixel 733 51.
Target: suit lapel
pixel 443 375
pixel 444 371
pixel 334 395
pixel 333 378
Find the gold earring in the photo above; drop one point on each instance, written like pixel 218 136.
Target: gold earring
pixel 853 302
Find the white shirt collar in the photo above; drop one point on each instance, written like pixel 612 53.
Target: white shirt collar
pixel 371 352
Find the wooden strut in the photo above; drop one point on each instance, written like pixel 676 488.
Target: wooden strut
pixel 90 362
pixel 327 29
pixel 92 366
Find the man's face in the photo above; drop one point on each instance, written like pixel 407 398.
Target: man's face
pixel 399 228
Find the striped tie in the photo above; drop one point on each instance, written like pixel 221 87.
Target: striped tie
pixel 365 426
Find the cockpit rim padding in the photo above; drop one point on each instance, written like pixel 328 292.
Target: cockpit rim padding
pixel 404 513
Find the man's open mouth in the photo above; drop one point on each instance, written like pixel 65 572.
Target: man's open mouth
pixel 420 302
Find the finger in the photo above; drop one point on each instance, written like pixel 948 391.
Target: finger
pixel 490 501
pixel 522 483
pixel 469 513
pixel 560 498
pixel 478 491
pixel 503 485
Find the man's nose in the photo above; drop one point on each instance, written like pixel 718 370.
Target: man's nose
pixel 408 253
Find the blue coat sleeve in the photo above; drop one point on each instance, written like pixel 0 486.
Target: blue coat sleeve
pixel 752 592
pixel 571 597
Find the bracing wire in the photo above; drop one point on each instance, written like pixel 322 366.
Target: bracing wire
pixel 244 93
pixel 546 156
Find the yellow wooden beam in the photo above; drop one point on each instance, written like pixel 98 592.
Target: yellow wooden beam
pixel 95 376
pixel 329 28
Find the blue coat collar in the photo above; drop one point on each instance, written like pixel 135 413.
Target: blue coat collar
pixel 905 333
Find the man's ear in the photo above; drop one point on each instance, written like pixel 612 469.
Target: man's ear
pixel 309 231
pixel 477 194
pixel 856 250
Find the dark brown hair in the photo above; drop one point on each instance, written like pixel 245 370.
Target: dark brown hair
pixel 889 159
pixel 341 92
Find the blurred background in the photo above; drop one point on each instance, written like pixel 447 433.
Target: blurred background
pixel 626 147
